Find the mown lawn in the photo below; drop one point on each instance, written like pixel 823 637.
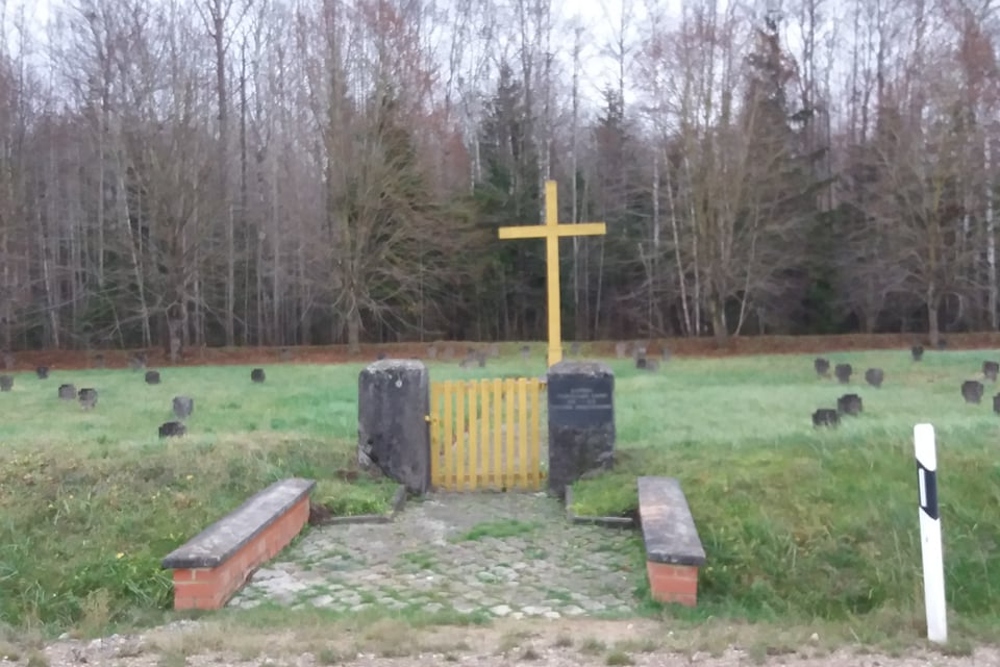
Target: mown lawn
pixel 798 523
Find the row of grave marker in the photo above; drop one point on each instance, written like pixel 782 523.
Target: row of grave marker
pixel 183 406
pixel 972 390
pixel 873 376
pixel 848 404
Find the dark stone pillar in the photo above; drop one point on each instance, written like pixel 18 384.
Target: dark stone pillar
pixel 393 432
pixel 581 421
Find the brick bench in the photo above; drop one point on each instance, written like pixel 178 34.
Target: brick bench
pixel 217 562
pixel 673 548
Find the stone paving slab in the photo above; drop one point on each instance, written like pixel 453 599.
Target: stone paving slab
pixel 509 555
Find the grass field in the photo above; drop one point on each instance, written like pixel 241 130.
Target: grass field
pixel 799 524
pixel 802 523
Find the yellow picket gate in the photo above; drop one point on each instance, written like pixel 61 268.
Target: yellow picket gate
pixel 487 435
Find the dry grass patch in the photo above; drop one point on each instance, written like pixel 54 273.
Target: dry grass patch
pixel 511 640
pixel 389 638
pixel 618 659
pixel 646 645
pixel 592 646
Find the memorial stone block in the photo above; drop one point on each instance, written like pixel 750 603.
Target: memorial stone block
pixel 581 421
pixel 393 432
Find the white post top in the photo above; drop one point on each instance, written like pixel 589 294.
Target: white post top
pixel 924 446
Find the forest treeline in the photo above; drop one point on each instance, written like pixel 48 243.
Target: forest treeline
pixel 225 172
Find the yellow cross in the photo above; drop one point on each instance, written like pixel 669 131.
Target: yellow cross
pixel 551 231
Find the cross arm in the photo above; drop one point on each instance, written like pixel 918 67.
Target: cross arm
pixel 583 229
pixel 526 232
pixel 542 231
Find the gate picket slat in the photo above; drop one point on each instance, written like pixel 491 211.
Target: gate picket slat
pixel 437 444
pixel 534 439
pixel 472 430
pixel 522 434
pixel 449 435
pixel 500 479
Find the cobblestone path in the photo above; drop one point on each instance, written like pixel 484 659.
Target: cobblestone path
pixel 509 555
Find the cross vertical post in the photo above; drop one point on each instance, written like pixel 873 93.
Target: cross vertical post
pixel 551 231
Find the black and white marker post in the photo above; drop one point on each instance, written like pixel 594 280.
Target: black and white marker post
pixel 930 533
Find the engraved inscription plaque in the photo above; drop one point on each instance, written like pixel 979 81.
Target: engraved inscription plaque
pixel 580 401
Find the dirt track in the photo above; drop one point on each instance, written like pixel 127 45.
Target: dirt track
pixel 577 643
pixel 332 354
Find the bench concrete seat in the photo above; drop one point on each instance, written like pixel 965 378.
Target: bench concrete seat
pixel 216 563
pixel 673 549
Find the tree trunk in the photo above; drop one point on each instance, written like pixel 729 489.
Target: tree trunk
pixel 353 326
pixel 48 280
pixel 933 306
pixel 991 238
pixel 717 313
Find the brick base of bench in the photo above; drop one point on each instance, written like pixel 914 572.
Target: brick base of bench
pixel 673 583
pixel 227 555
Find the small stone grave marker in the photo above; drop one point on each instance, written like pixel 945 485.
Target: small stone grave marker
pixel 917 352
pixel 843 373
pixel 641 362
pixel 67 392
pixel 826 417
pixel 990 370
pixel 996 404
pixel 152 377
pixel 850 404
pixel 652 364
pixel 42 372
pixel 183 407
pixel 874 377
pixel 6 382
pixel 972 391
pixel 621 350
pixel 432 352
pixel 665 355
pixel 99 361
pixel 525 351
pixel 257 375
pixel 481 358
pixel 822 366
pixel 88 398
pixel 8 361
pixel 494 350
pixel 172 429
